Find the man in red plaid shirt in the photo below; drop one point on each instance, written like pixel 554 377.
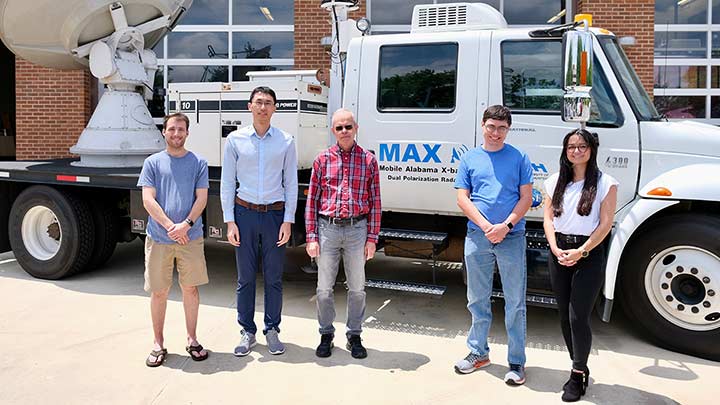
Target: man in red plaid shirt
pixel 342 217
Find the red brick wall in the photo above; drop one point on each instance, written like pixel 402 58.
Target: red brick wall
pixel 312 23
pixel 628 18
pixel 53 107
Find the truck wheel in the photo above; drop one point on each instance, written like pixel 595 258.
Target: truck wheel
pixel 51 232
pixel 670 283
pixel 105 234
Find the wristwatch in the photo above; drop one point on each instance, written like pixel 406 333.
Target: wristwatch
pixel 189 221
pixel 509 225
pixel 584 253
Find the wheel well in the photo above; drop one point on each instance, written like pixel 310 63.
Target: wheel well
pixel 684 207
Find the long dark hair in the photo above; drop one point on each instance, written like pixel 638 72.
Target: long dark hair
pixel 592 174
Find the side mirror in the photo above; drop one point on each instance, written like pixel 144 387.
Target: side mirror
pixel 577 75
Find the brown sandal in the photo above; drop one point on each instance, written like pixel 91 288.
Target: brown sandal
pixel 197 349
pixel 159 355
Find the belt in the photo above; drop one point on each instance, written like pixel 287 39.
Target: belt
pixel 276 206
pixel 343 221
pixel 571 238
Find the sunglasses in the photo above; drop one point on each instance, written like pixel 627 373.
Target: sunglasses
pixel 340 127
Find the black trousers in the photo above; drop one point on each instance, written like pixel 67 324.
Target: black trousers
pixel 576 288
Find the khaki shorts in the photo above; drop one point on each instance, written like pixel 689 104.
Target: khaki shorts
pixel 160 260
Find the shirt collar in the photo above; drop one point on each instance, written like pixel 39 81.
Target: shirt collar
pixel 268 133
pixel 338 150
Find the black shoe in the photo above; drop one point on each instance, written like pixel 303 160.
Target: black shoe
pixel 575 387
pixel 356 348
pixel 587 378
pixel 324 349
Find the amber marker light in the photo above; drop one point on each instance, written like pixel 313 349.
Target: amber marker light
pixel 660 191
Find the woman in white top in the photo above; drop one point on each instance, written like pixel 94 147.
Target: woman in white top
pixel 579 209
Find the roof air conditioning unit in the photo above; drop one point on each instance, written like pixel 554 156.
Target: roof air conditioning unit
pixel 456 17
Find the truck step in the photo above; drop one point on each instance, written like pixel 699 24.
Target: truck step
pixel 432 290
pixel 402 234
pixel 533 299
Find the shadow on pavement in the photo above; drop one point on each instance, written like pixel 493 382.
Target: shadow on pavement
pixel 541 379
pixel 376 359
pixel 217 362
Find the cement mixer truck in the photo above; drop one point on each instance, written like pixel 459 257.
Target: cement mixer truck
pixel 419 99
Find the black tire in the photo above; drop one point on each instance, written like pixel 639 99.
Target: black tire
pixel 688 232
pixel 105 222
pixel 74 222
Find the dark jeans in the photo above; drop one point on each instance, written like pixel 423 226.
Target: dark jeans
pixel 258 241
pixel 576 288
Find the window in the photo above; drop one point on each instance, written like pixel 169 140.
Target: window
pixel 715 107
pixel 679 12
pixel 531 12
pixel 680 44
pixel 675 77
pixel 216 39
pixel 393 12
pixel 263 12
pixel 206 12
pixel 197 45
pixel 263 45
pixel 532 72
pixel 687 59
pixel 418 77
pixel 681 106
pixel 531 75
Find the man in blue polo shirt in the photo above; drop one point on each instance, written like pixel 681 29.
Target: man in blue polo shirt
pixel 494 190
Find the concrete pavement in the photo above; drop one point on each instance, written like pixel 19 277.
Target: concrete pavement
pixel 84 341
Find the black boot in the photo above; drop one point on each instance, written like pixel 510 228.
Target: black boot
pixel 356 348
pixel 587 378
pixel 575 387
pixel 324 349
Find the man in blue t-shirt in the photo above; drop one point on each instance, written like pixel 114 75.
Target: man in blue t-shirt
pixel 174 188
pixel 494 190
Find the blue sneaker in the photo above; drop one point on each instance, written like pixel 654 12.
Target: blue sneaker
pixel 275 346
pixel 247 341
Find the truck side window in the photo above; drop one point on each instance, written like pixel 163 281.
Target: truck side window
pixel 418 77
pixel 532 82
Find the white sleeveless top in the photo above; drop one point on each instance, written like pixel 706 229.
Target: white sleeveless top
pixel 570 222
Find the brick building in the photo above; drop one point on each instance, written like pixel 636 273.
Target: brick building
pixel 220 40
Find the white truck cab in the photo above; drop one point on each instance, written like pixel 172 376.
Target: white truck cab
pixel 419 100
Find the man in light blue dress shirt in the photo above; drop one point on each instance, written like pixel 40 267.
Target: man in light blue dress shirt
pixel 258 192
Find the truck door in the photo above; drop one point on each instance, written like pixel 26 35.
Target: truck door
pixel 527 77
pixel 415 100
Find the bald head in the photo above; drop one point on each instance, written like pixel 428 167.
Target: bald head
pixel 342 113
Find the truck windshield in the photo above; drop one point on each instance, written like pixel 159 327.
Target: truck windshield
pixel 634 91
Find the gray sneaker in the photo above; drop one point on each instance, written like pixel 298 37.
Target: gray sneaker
pixel 275 346
pixel 516 375
pixel 247 341
pixel 472 362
